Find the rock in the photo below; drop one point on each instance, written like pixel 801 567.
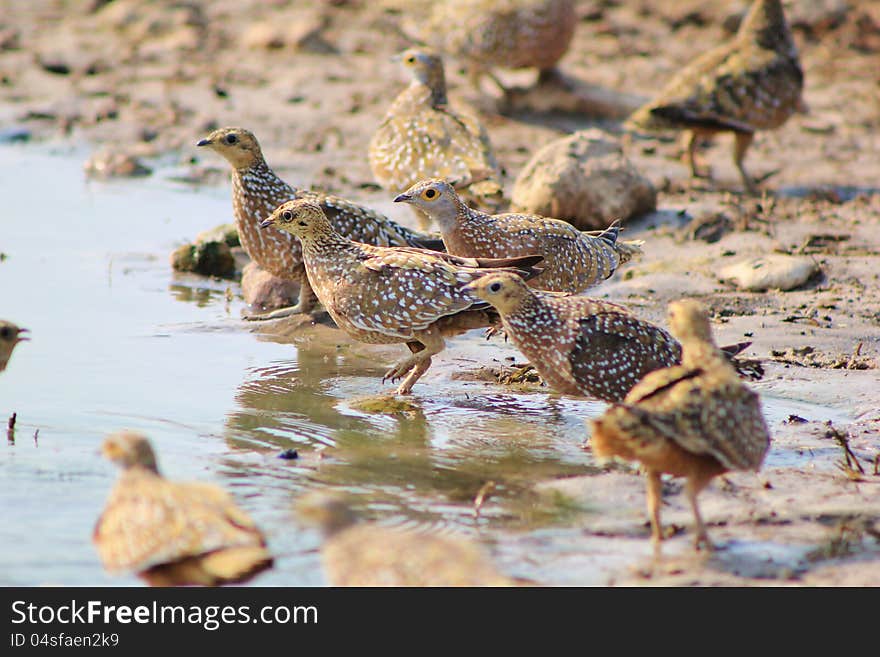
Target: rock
pixel 771 272
pixel 107 163
pixel 586 179
pixel 263 290
pixel 305 33
pixel 207 258
pixel 226 233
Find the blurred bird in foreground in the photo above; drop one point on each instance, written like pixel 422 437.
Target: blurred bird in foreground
pixel 753 82
pixel 364 554
pixel 10 335
pixel 695 420
pixel 386 295
pixel 173 534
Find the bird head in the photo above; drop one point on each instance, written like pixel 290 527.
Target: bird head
pixel 503 290
pixel 435 197
pixel 300 218
pixel 129 449
pixel 10 335
pixel 688 320
pixel 237 145
pixel 424 66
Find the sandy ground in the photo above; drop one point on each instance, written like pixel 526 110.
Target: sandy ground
pixel 312 80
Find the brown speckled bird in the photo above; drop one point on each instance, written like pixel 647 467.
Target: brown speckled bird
pixel 753 82
pixel 421 136
pixel 364 554
pixel 171 533
pixel 579 345
pixel 485 34
pixel 695 420
pixel 257 191
pixel 573 260
pixel 10 335
pixel 385 295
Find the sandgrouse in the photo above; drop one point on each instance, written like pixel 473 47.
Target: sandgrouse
pixel 573 260
pixel 421 136
pixel 171 533
pixel 486 34
pixel 580 345
pixel 257 191
pixel 387 295
pixel 10 335
pixel 358 553
pixel 695 420
pixel 753 82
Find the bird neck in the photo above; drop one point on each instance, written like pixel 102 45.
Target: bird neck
pixel 435 85
pixel 766 25
pixel 523 307
pixel 701 353
pixel 325 240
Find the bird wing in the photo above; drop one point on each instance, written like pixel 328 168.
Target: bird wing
pixel 720 419
pixel 396 292
pixel 151 521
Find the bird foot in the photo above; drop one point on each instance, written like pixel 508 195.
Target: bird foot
pixel 492 331
pixel 399 369
pixel 275 314
pixel 702 543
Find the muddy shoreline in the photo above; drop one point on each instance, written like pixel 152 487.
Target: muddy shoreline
pixel 312 80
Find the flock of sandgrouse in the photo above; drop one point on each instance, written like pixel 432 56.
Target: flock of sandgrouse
pixel 676 402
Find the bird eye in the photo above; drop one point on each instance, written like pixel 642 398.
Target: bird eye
pixel 495 287
pixel 286 215
pixel 5 332
pixel 231 139
pixel 430 193
pixel 411 59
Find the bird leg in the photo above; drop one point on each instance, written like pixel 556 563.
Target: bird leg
pixel 740 146
pixel 306 303
pixel 692 488
pixel 429 342
pixel 693 142
pixel 655 495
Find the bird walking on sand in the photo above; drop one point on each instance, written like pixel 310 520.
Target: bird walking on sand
pixel 386 295
pixel 573 260
pixel 171 533
pixel 486 34
pixel 363 554
pixel 695 420
pixel 753 82
pixel 421 136
pixel 10 335
pixel 580 345
pixel 257 191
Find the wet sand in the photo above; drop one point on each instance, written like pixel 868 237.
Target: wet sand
pixel 149 80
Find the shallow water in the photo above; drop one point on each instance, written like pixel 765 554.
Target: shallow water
pixel 120 341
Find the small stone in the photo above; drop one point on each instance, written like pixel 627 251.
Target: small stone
pixel 113 164
pixel 226 233
pixel 771 272
pixel 289 454
pixel 263 290
pixel 206 258
pixel 585 179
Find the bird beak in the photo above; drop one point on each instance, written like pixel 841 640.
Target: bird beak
pixel 203 142
pixel 403 198
pixel 268 221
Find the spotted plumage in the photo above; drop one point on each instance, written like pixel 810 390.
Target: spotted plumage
pixel 580 345
pixel 173 533
pixel 573 260
pixel 391 294
pixel 422 136
pixel 694 420
pixel 10 335
pixel 486 34
pixel 257 191
pixel 753 82
pixel 365 554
